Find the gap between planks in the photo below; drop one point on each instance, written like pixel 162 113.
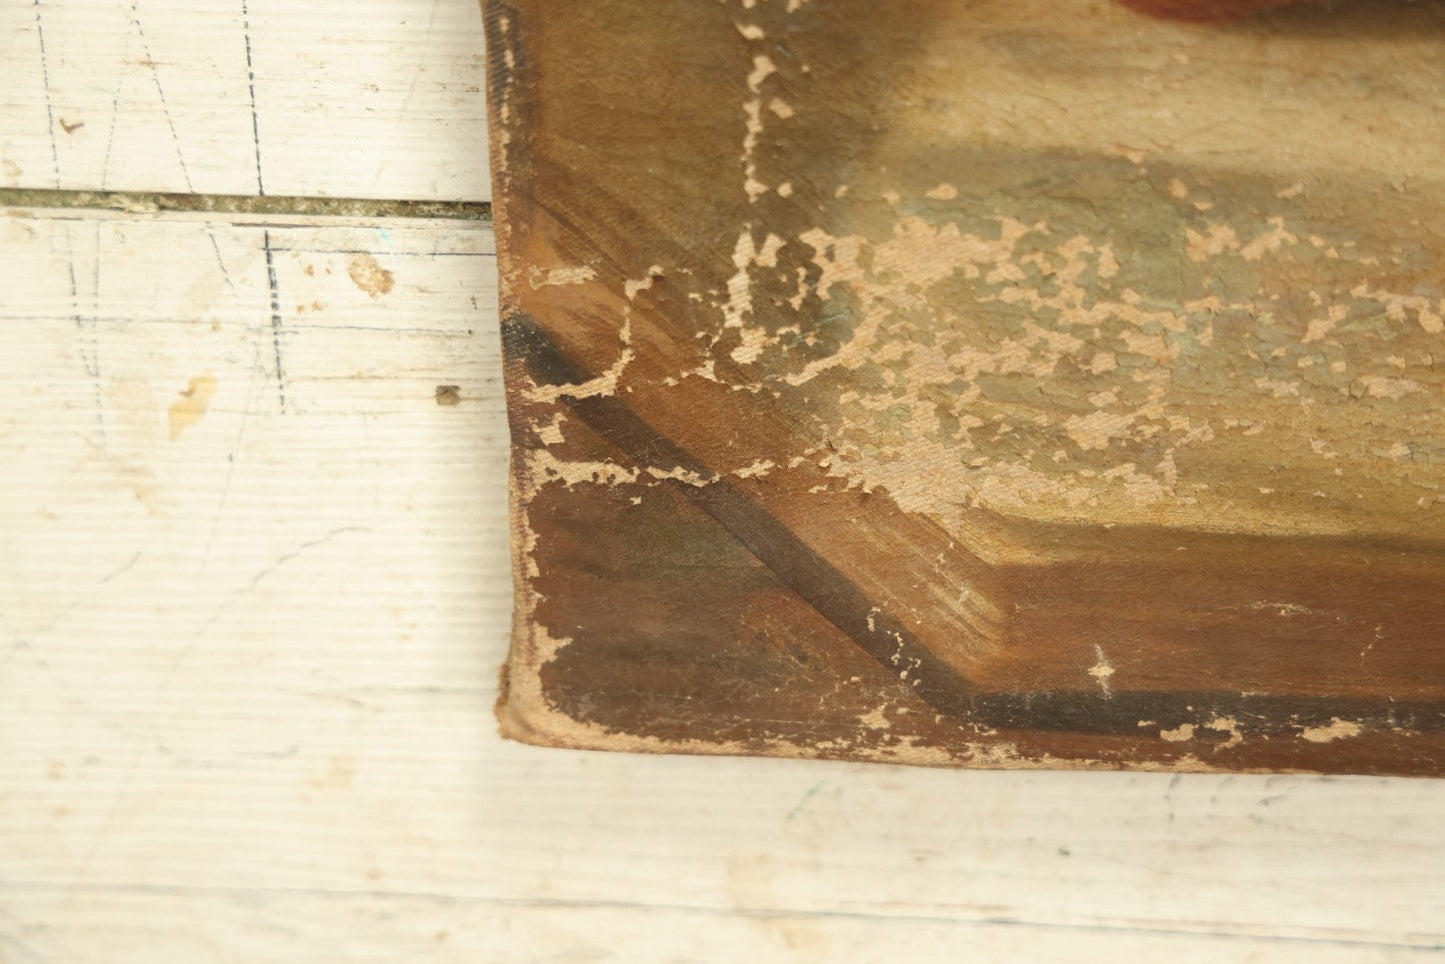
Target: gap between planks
pixel 242 207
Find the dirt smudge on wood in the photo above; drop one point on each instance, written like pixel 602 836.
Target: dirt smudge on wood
pixel 191 407
pixel 369 276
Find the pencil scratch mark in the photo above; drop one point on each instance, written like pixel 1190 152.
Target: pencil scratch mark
pixel 422 68
pixel 286 557
pixel 49 106
pixel 122 570
pixel 110 139
pixel 336 697
pixel 241 592
pixel 30 952
pixel 175 135
pixel 225 272
pixel 798 807
pixel 1224 936
pixel 180 659
pixel 88 341
pixel 275 318
pixel 251 83
pixel 150 62
pixel 91 330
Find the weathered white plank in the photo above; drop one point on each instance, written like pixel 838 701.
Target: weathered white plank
pixel 139 925
pixel 372 98
pixel 249 659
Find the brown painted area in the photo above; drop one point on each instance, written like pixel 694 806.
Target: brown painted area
pixel 979 409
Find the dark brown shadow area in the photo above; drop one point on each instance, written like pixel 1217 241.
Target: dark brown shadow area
pixel 1406 21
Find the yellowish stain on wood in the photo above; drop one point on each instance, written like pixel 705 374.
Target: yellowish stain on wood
pixel 369 276
pixel 191 407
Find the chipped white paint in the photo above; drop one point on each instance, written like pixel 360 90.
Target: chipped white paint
pixel 1218 239
pixel 920 255
pixel 763 68
pixel 544 468
pixel 886 279
pixel 551 433
pixel 1102 670
pixel 1336 729
pixel 1269 242
pixel 758 469
pixel 1180 734
pixel 1226 724
pixel 1383 386
pixel 573 275
pixel 1428 312
pixel 739 305
pixel 633 287
pixel 602 384
pixel 875 720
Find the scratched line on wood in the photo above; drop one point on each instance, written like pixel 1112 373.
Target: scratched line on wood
pixel 1240 933
pixel 87 336
pixel 175 135
pixel 251 87
pixel 110 138
pixel 155 73
pixel 275 317
pixel 49 104
pixel 91 328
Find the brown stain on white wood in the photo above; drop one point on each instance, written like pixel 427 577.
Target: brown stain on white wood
pixel 191 407
pixel 368 275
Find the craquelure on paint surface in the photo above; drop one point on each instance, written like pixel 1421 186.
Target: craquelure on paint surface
pixel 1000 385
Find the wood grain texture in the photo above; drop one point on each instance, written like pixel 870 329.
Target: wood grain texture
pixel 248 676
pixel 1060 393
pixel 244 98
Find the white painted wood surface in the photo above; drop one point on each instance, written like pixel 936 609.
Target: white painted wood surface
pixel 345 99
pixel 248 656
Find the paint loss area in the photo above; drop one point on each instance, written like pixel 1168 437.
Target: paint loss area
pixel 1065 338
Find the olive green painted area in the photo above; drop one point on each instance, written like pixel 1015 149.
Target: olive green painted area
pixel 1150 342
